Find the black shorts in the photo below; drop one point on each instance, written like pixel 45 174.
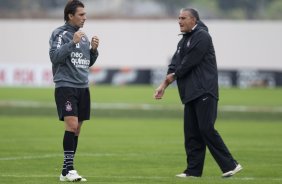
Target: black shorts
pixel 73 102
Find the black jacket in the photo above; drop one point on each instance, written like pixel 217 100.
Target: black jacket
pixel 194 65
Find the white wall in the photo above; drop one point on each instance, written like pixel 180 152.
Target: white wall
pixel 147 43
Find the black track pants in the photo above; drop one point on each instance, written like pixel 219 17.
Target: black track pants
pixel 199 119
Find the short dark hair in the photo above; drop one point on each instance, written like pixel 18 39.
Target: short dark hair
pixel 71 7
pixel 193 12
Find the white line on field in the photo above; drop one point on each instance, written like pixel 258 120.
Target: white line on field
pixel 19 103
pixel 61 155
pixel 30 157
pixel 27 176
pixel 128 106
pixel 230 108
pixel 110 176
pixel 141 177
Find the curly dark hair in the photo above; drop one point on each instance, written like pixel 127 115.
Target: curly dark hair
pixel 71 7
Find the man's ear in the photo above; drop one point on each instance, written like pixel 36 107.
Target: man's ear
pixel 195 20
pixel 70 16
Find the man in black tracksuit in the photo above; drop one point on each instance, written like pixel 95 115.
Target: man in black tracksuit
pixel 194 67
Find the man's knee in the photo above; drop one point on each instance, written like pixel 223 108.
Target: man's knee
pixel 71 123
pixel 78 128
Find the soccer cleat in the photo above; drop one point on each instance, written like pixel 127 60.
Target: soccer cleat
pixel 63 178
pixel 83 179
pixel 234 171
pixel 73 176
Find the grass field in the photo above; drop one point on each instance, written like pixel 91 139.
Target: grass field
pixel 132 138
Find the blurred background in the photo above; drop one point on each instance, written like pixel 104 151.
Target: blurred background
pixel 138 38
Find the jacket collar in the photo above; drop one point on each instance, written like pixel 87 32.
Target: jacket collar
pixel 71 27
pixel 191 32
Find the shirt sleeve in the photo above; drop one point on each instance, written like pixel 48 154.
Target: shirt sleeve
pixel 172 65
pixel 59 48
pixel 93 56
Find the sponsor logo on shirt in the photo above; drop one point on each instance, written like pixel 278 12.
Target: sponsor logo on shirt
pixel 79 61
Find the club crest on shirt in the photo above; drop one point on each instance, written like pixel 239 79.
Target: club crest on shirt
pixel 68 106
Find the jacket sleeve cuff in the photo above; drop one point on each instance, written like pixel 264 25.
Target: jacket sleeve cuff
pixel 177 74
pixel 174 76
pixel 94 52
pixel 71 44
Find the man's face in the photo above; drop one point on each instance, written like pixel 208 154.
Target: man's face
pixel 186 21
pixel 78 18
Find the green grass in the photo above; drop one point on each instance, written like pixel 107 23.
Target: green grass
pixel 144 94
pixel 268 100
pixel 136 146
pixel 133 151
